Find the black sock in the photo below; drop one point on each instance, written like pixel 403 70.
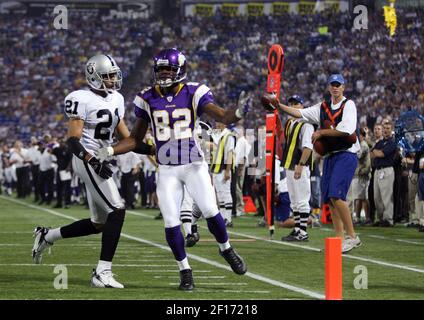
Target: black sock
pixel 78 228
pixel 111 234
pixel 304 220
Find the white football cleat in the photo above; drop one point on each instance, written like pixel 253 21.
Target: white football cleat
pixel 40 244
pixel 350 243
pixel 104 279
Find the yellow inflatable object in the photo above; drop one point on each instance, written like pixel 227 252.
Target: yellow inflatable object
pixel 390 17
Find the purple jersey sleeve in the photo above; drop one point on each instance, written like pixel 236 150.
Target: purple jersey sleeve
pixel 141 107
pixel 204 100
pixel 140 113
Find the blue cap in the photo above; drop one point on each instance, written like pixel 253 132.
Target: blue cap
pixel 336 78
pixel 296 98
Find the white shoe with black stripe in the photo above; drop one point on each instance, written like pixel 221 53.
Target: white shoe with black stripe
pixel 40 244
pixel 104 279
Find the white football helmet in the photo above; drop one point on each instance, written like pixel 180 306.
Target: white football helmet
pixel 100 69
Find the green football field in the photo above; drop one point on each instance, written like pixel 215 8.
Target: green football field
pixel 390 263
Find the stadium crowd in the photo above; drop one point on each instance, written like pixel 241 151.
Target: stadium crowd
pixel 40 65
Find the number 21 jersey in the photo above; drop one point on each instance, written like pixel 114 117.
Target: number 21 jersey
pixel 100 114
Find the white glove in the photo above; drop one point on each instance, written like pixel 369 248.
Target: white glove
pixel 104 153
pixel 243 104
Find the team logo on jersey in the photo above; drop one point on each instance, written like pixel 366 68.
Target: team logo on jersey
pixel 169 98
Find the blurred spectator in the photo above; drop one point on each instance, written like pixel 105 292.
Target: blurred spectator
pixel 129 165
pixel 63 174
pixel 419 200
pixel 241 151
pixel 383 155
pixel 46 178
pixel 19 158
pixel 361 180
pixel 34 155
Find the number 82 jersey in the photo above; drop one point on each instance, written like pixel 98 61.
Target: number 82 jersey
pixel 100 114
pixel 173 120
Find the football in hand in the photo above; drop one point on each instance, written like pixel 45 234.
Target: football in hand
pixel 321 146
pixel 270 101
pixel 326 144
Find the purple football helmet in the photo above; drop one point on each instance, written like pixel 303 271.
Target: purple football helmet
pixel 169 67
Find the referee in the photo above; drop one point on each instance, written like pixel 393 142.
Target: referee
pixel 297 160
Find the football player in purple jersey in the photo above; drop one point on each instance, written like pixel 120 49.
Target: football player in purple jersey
pixel 171 107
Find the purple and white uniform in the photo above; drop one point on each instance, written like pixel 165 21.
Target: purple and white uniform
pixel 173 119
pixel 180 158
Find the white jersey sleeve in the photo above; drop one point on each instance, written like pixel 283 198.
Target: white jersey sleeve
pixel 348 123
pixel 76 105
pixel 312 114
pixel 307 131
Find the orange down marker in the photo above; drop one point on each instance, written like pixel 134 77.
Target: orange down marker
pixel 333 269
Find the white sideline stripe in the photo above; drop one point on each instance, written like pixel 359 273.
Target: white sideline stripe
pixel 192 256
pixel 60 245
pixel 214 283
pixel 197 277
pixel 144 260
pixel 140 214
pixel 79 265
pixel 272 241
pixel 398 240
pixel 382 263
pixel 236 291
pixel 348 256
pixel 176 270
pixel 384 238
pixel 15 232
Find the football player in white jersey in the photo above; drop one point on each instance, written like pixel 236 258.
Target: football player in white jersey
pixel 94 116
pixel 171 106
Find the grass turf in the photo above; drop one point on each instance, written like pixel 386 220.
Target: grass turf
pixel 146 267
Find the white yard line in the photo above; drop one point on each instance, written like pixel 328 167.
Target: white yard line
pixel 214 283
pixel 139 214
pixel 276 283
pixel 197 277
pixel 384 238
pixel 236 291
pixel 393 239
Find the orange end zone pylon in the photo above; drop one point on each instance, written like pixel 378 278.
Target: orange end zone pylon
pixel 273 128
pixel 333 269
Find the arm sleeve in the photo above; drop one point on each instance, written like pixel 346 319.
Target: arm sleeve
pixel 230 144
pixel 76 148
pixel 348 123
pixel 75 106
pixel 141 108
pixel 312 114
pixel 307 131
pixel 201 97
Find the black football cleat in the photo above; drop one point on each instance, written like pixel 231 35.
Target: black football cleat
pixel 234 260
pixel 190 241
pixel 194 232
pixel 186 280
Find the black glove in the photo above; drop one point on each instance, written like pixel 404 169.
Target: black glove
pixel 101 168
